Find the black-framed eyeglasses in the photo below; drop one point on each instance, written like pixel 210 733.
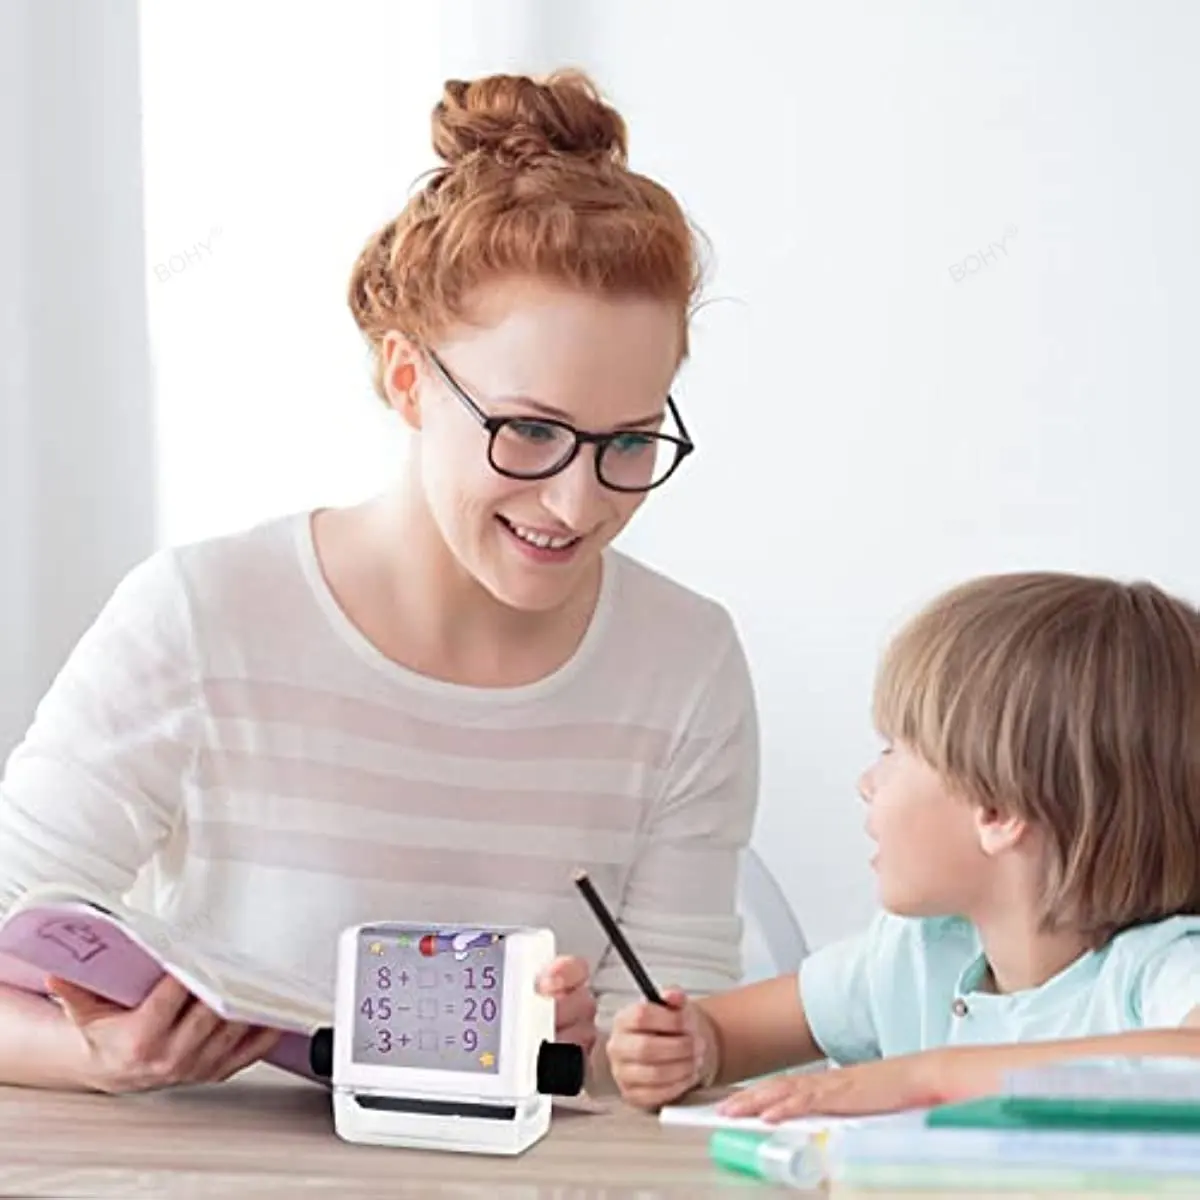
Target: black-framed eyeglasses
pixel 528 447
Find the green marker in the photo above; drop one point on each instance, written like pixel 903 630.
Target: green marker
pixel 796 1161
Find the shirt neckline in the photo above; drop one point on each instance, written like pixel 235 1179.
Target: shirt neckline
pixel 1065 984
pixel 368 652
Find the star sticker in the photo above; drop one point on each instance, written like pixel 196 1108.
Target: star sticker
pixel 487 1058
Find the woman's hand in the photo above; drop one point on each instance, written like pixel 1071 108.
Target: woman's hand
pixel 170 1038
pixel 889 1085
pixel 657 1054
pixel 567 981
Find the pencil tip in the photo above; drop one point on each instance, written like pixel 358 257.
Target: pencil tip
pixel 579 875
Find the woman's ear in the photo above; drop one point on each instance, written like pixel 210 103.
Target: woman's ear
pixel 998 829
pixel 399 357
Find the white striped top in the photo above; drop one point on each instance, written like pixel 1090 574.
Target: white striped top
pixel 225 736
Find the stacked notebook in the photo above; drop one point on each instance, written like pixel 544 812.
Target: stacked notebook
pixel 1130 1125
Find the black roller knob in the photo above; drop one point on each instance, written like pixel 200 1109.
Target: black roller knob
pixel 320 1053
pixel 561 1068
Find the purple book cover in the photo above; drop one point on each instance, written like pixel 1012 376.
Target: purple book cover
pixel 94 952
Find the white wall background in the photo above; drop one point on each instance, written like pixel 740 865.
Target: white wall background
pixel 871 429
pixel 76 470
pixel 872 426
pixel 277 139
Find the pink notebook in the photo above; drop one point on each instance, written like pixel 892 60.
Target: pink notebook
pixel 120 954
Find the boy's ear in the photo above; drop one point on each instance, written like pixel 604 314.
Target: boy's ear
pixel 400 358
pixel 998 829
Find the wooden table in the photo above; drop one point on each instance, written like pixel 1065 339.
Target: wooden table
pixel 266 1134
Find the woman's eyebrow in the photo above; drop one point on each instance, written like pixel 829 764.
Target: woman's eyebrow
pixel 557 414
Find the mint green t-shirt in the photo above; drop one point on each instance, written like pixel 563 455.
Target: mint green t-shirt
pixel 910 984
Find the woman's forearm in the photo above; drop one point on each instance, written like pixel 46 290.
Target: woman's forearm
pixel 39 1047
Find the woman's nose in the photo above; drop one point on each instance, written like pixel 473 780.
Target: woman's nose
pixel 575 496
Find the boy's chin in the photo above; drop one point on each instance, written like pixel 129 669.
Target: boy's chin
pixel 906 903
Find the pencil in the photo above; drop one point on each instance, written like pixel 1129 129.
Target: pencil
pixel 619 940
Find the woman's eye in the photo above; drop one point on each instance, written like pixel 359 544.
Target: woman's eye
pixel 631 443
pixel 533 431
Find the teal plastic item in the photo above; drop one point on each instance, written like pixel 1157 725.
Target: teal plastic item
pixel 795 1161
pixel 1076 1112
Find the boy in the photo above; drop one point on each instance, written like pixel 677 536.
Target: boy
pixel 1036 813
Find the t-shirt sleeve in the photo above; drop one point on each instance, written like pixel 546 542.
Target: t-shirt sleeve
pixel 1168 986
pixel 96 783
pixel 836 994
pixel 679 907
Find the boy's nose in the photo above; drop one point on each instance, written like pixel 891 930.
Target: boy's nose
pixel 866 785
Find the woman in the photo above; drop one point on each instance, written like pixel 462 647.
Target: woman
pixel 437 704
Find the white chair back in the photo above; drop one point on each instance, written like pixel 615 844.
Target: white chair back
pixel 772 941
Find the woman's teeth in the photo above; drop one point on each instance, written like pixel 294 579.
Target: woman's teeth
pixel 542 540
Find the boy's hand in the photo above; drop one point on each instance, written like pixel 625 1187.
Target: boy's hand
pixel 890 1085
pixel 657 1054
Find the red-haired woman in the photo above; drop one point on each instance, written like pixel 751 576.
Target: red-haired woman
pixel 438 704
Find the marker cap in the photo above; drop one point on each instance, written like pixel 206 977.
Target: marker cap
pixel 737 1150
pixel 797 1161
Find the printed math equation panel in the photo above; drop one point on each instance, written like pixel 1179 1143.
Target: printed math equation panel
pixel 429 1000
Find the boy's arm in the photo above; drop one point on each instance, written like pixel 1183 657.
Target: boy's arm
pixel 824 1011
pixel 657 1054
pixel 757 1030
pixel 947 1074
pixel 959 1073
pixel 1164 994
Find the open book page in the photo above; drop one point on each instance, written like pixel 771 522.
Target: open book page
pixel 120 953
pixel 706 1116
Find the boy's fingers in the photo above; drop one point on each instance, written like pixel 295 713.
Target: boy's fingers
pixel 670 1077
pixel 654 1049
pixel 652 1018
pixel 753 1100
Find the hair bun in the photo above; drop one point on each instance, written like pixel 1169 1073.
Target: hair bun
pixel 514 118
